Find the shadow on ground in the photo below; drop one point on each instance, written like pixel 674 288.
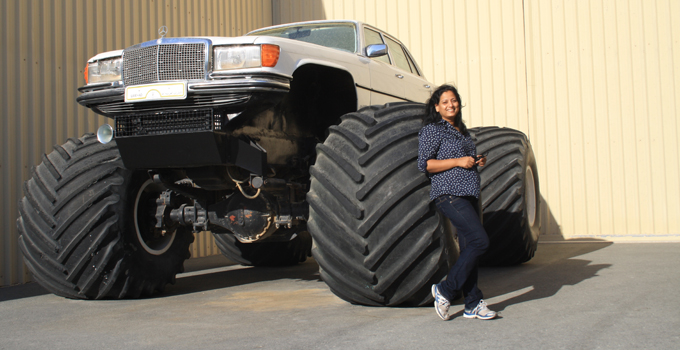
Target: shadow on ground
pixel 554 266
pixel 236 275
pixel 27 290
pixel 216 274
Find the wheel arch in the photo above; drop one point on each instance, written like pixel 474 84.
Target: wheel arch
pixel 320 94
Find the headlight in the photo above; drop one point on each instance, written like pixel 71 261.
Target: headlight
pixel 103 71
pixel 245 56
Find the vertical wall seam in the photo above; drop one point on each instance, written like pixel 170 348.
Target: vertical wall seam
pixel 647 109
pixel 622 134
pixel 584 171
pixel 572 170
pixel 609 130
pixel 674 101
pixel 526 68
pixel 661 134
pixel 4 150
pixel 632 79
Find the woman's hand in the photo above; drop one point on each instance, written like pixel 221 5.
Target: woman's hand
pixel 481 161
pixel 466 162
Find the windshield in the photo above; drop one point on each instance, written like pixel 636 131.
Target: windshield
pixel 341 36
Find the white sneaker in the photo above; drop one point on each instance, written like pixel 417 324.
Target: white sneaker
pixel 441 304
pixel 481 312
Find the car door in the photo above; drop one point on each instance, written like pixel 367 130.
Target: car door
pixel 416 87
pixel 386 86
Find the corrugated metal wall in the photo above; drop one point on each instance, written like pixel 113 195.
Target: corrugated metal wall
pixel 44 46
pixel 593 83
pixel 604 86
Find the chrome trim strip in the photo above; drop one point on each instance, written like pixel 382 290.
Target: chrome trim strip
pixel 100 86
pixel 382 93
pixel 252 83
pixel 236 74
pixel 166 41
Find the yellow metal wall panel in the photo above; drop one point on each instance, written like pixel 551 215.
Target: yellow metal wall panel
pixel 44 46
pixel 603 93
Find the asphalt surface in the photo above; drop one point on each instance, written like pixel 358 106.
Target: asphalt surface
pixel 570 296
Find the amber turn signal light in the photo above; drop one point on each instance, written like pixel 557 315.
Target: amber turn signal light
pixel 270 55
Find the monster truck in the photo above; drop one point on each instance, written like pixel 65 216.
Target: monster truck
pixel 290 141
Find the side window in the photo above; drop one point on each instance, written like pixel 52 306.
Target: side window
pixel 373 37
pixel 414 68
pixel 398 55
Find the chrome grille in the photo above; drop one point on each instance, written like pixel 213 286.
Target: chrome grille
pixel 176 122
pixel 185 61
pixel 139 66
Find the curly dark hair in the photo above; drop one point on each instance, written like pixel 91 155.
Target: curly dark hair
pixel 432 116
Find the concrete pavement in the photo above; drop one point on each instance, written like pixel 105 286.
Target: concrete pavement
pixel 571 295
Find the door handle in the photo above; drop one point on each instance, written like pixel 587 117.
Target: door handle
pixel 399 76
pixel 426 86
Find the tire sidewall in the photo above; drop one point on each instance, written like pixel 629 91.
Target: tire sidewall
pixel 533 228
pixel 514 238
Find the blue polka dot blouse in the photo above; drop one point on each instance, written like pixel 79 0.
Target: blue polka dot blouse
pixel 441 140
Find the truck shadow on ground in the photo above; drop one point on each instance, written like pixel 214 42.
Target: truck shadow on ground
pixel 553 267
pixel 27 290
pixel 220 275
pixel 236 275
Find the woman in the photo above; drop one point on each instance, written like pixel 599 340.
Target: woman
pixel 448 156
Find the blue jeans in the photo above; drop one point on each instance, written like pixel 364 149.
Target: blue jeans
pixel 473 242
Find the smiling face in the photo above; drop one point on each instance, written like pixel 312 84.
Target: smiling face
pixel 448 106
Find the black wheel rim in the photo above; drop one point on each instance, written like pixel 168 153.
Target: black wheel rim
pixel 154 241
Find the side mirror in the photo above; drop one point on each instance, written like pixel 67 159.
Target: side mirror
pixel 376 50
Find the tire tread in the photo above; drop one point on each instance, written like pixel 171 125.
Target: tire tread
pixel 390 254
pixel 71 228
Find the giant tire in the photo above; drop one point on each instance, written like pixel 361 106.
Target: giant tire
pixel 276 253
pixel 78 226
pixel 510 195
pixel 378 239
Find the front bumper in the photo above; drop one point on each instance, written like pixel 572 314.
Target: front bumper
pixel 223 92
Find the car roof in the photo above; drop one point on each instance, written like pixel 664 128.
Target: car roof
pixel 358 23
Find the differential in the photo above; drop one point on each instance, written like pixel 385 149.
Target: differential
pixel 248 219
